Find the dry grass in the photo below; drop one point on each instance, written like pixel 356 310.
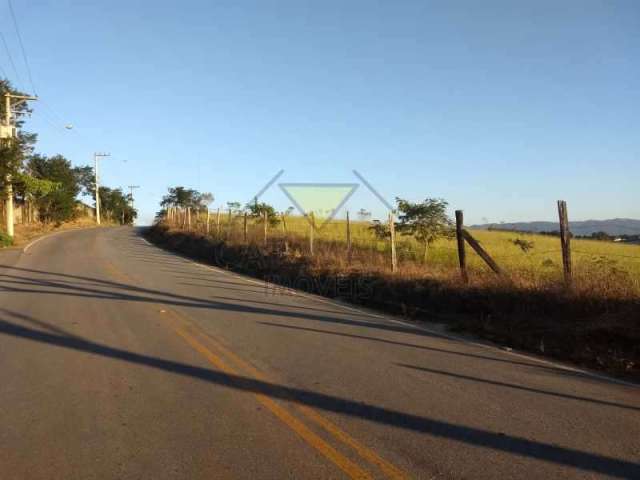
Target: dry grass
pixel 601 269
pixel 27 232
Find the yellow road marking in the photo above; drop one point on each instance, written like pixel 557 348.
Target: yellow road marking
pixel 346 465
pixel 389 469
pixel 300 428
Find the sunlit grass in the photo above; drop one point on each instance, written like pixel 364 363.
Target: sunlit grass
pixel 600 265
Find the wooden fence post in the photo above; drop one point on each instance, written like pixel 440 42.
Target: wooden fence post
pixel 348 239
pixel 311 229
pixel 565 241
pixel 218 223
pixel 266 226
pixel 482 252
pixel 244 228
pixel 208 215
pixel 462 255
pixel 188 218
pixel 392 232
pixel 284 233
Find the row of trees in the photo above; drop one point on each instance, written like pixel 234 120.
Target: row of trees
pixel 425 221
pixel 183 198
pixel 51 186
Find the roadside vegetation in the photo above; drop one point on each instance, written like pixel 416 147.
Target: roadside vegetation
pixel 595 322
pixel 47 190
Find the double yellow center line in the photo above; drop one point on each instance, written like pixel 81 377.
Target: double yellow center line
pixel 213 351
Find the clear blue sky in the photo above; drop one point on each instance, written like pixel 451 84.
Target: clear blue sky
pixel 500 107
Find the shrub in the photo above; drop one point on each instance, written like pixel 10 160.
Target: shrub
pixel 5 240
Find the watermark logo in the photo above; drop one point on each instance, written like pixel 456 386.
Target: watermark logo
pixel 323 200
pixel 319 203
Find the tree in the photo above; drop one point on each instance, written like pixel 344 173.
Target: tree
pixel 51 183
pixel 13 153
pixel 601 236
pixel 234 207
pixel 380 230
pixel 258 210
pixel 426 221
pixel 178 197
pixel 86 180
pixel 57 204
pixel 186 198
pixel 205 199
pixel 32 189
pixel 117 205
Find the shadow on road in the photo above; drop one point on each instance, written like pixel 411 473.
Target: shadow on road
pixel 471 436
pixel 519 387
pixel 74 285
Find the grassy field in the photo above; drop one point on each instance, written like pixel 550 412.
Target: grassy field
pixel 607 267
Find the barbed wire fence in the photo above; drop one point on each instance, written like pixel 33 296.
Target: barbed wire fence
pixel 355 244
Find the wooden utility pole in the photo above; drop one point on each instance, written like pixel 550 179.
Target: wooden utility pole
pixel 392 232
pixel 284 233
pixel 462 255
pixel 244 228
pixel 266 226
pixel 131 189
pixel 348 239
pixel 312 225
pixel 97 156
pixel 565 241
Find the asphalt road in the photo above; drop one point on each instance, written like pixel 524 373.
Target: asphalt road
pixel 122 361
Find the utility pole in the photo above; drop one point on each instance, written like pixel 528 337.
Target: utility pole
pixel 8 133
pixel 131 188
pixel 96 156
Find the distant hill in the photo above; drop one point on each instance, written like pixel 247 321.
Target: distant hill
pixel 615 226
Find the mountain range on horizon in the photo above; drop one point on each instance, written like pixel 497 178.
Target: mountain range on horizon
pixel 614 226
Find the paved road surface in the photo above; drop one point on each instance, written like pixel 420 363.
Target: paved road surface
pixel 121 361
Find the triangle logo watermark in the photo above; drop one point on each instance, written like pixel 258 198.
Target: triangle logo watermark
pixel 323 200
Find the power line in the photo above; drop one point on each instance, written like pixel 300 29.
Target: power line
pixel 48 120
pixel 24 53
pixel 57 117
pixel 13 65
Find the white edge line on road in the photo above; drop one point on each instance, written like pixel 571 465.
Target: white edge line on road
pixel 449 336
pixel 32 243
